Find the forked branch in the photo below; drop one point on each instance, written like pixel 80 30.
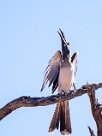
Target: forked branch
pixel 96 109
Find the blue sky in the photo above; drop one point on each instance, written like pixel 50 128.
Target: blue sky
pixel 28 39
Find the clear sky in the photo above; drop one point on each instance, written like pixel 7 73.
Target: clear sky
pixel 28 39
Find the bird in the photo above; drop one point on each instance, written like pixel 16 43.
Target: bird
pixel 60 74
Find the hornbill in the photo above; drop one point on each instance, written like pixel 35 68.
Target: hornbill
pixel 60 73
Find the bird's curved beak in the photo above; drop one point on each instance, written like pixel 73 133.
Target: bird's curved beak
pixel 65 44
pixel 63 39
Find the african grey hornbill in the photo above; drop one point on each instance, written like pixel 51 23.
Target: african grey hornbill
pixel 60 73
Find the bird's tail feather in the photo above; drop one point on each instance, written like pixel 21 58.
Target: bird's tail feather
pixel 61 116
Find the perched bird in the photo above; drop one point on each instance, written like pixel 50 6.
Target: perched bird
pixel 60 73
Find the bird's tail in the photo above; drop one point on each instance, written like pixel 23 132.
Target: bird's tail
pixel 62 116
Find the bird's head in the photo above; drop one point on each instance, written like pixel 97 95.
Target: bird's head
pixel 65 45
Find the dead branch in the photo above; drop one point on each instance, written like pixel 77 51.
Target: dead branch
pixel 96 109
pixel 91 131
pixel 25 101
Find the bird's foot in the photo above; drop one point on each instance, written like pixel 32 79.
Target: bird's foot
pixel 70 92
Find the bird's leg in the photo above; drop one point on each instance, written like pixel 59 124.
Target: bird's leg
pixel 72 91
pixel 63 92
pixel 74 87
pixel 69 92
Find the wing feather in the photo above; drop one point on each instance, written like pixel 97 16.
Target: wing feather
pixel 52 71
pixel 74 59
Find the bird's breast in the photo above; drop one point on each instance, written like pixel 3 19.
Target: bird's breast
pixel 66 76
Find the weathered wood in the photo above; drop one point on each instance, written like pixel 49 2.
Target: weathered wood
pixel 25 101
pixel 96 109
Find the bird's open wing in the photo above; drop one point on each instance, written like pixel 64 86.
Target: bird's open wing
pixel 52 71
pixel 74 59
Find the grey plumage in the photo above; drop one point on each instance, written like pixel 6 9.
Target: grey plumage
pixel 52 71
pixel 61 113
pixel 60 73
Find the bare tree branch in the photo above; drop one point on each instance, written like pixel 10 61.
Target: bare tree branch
pixel 25 101
pixel 96 109
pixel 91 131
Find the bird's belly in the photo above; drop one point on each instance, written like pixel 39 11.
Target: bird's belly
pixel 65 79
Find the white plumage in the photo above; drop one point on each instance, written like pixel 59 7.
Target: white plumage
pixel 66 76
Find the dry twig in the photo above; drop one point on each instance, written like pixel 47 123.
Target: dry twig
pixel 91 131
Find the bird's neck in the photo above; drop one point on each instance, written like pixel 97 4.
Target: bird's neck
pixel 66 62
pixel 66 59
